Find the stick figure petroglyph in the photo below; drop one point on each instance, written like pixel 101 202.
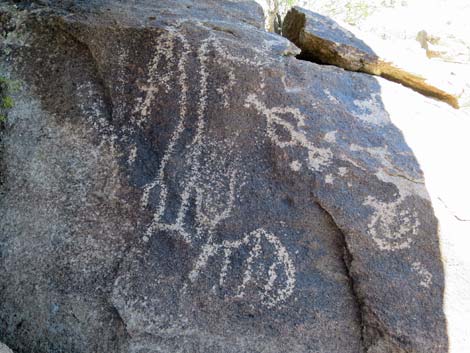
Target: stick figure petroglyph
pixel 267 259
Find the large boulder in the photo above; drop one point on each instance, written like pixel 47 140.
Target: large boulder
pixel 173 179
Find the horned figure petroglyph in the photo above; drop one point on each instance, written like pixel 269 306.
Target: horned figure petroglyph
pixel 267 259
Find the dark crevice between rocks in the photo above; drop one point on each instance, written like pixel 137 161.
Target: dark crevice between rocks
pixel 347 261
pixel 374 336
pixel 322 51
pixel 121 324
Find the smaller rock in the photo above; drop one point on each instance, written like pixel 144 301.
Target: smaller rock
pixel 446 47
pixel 4 348
pixel 322 40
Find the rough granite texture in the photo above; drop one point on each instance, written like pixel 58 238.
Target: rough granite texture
pixel 173 179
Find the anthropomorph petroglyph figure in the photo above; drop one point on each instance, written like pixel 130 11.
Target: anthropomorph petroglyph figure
pixel 267 265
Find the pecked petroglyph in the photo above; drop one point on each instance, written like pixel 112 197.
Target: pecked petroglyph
pixel 371 110
pixel 157 80
pixel 424 275
pixel 213 187
pixel 392 226
pixel 317 157
pixel 280 275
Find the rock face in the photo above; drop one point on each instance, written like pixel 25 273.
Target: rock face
pixel 323 40
pixel 173 179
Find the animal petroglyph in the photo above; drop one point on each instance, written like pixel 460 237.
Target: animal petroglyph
pixel 394 225
pixel 268 266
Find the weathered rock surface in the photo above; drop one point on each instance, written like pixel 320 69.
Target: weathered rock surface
pixel 323 40
pixel 174 180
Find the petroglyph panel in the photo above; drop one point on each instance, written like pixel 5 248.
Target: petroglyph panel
pixel 192 186
pixel 213 175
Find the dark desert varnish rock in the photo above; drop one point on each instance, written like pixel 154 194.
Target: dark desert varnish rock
pixel 175 180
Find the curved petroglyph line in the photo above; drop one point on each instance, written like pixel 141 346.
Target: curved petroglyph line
pixel 194 148
pixel 280 280
pixel 159 180
pixel 156 78
pixel 197 143
pixel 223 62
pixel 318 157
pixel 391 226
pixel 215 219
